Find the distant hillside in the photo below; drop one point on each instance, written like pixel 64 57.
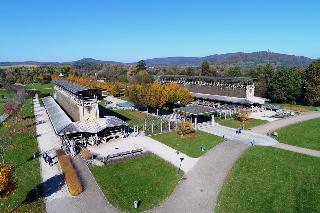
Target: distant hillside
pixel 240 59
pixel 244 60
pixel 94 61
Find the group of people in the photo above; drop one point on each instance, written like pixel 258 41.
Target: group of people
pixel 47 158
pixel 238 131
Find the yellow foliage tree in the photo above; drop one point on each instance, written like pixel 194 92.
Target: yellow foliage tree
pixel 6 180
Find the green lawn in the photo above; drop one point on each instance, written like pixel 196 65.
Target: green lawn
pixel 137 118
pixel 299 108
pixel 148 178
pixel 189 146
pixel 230 122
pixel 267 179
pixel 305 134
pixel 44 88
pixel 18 152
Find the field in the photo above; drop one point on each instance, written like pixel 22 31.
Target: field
pixel 299 108
pixel 189 145
pixel 44 88
pixel 230 122
pixel 134 117
pixel 19 146
pixel 267 179
pixel 305 134
pixel 148 179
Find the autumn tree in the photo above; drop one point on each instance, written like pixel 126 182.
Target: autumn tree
pixel 6 180
pixel 115 91
pixel 312 83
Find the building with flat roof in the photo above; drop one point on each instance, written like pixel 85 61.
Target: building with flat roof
pixel 235 90
pixel 79 102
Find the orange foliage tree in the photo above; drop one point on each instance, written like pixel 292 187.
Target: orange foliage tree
pixel 158 95
pixel 6 180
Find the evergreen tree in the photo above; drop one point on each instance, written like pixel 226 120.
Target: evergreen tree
pixel 205 68
pixel 285 85
pixel 312 83
pixel 141 65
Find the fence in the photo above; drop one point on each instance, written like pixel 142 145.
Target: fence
pixel 152 127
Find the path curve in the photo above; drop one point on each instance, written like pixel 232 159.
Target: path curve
pixel 199 192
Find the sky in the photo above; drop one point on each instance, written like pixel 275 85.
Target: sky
pixel 127 31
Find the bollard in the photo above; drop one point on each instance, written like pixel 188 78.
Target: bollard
pixel 135 204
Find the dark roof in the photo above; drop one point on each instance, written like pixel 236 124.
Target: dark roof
pixel 195 109
pixel 206 78
pixel 71 87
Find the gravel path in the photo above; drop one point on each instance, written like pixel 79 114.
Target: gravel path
pixel 198 190
pixel 57 197
pixel 91 200
pixel 127 144
pixel 246 137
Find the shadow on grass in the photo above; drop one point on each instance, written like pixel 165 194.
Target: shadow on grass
pixel 43 190
pixel 107 112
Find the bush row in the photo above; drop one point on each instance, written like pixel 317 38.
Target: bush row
pixel 70 174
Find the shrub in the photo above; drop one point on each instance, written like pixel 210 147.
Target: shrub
pixel 185 127
pixel 241 116
pixel 70 174
pixel 86 154
pixel 6 180
pixel 10 108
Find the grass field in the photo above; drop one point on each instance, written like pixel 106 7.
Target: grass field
pixel 305 134
pixel 19 149
pixel 189 146
pixel 267 179
pixel 299 108
pixel 136 118
pixel 44 88
pixel 230 122
pixel 148 179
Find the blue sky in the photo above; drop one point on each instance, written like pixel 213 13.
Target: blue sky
pixel 131 30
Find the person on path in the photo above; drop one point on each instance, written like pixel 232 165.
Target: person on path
pixel 50 161
pixel 45 157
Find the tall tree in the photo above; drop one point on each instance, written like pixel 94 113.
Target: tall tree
pixel 232 71
pixel 205 68
pixel 286 85
pixel 312 83
pixel 141 65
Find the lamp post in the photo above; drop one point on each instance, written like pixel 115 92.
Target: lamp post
pixel 181 159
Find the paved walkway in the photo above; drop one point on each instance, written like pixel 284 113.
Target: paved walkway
pixel 301 150
pixel 199 189
pixel 57 197
pixel 91 200
pixel 273 126
pixel 127 144
pixel 52 177
pixel 246 137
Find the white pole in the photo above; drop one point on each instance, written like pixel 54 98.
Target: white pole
pixel 212 118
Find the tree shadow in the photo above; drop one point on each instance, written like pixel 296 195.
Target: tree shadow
pixel 43 190
pixel 107 112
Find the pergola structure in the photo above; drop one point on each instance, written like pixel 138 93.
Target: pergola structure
pixel 234 90
pixel 196 110
pixel 90 132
